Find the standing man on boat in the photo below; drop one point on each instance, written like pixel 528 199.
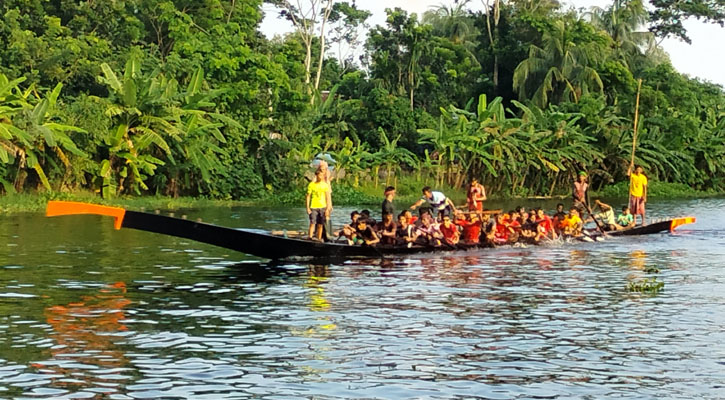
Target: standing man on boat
pixel 387 206
pixel 476 196
pixel 579 192
pixel 324 167
pixel 319 204
pixel 437 201
pixel 637 191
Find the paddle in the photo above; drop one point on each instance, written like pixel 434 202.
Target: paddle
pixel 636 122
pixel 375 248
pixel 596 221
pixel 484 212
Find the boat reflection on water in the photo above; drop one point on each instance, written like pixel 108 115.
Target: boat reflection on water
pixel 86 354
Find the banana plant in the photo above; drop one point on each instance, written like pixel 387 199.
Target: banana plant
pixel 352 158
pixel 30 134
pixel 12 103
pixel 391 157
pixel 155 123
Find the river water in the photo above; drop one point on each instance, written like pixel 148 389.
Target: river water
pixel 89 312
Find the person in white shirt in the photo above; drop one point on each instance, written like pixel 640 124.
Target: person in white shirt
pixel 436 201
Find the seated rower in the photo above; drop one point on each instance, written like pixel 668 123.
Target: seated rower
pixel 366 234
pixel 428 232
pixel 546 225
pixel 625 219
pixel 471 228
pixel 572 223
pixel 503 233
pixel 386 229
pixel 488 229
pixel 515 222
pixel 410 217
pixel 406 232
pixel 530 230
pixel 605 216
pixel 365 214
pixel 449 231
pixel 521 211
pixel 349 231
pixel 558 219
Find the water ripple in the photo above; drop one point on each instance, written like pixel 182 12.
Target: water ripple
pixel 82 319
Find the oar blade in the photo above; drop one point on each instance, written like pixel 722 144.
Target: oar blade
pixel 57 208
pixel 681 221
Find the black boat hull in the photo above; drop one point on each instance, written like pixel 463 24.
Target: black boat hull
pixel 269 246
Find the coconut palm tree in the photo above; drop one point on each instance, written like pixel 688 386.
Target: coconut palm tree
pixel 560 70
pixel 452 22
pixel 623 21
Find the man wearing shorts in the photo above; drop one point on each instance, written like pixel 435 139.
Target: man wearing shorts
pixel 637 192
pixel 319 204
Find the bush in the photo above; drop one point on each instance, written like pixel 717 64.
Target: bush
pixel 655 189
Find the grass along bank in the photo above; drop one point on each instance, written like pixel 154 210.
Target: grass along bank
pixel 36 202
pixel 365 195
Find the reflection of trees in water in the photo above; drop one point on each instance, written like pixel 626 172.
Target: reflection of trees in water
pixel 85 333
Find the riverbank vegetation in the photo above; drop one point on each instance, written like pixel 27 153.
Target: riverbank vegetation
pixel 188 98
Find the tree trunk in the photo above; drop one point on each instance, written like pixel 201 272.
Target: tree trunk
pixel 325 16
pixel 308 66
pixel 493 36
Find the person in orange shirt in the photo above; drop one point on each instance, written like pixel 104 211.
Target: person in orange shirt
pixel 476 196
pixel 573 223
pixel 637 192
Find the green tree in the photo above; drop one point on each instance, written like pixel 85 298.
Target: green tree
pixel 668 16
pixel 153 120
pixel 562 68
pixel 623 21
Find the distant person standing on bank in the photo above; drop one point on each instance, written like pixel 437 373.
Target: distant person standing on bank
pixel 387 206
pixel 637 192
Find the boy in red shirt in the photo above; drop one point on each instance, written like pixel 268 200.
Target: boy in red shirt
pixel 471 228
pixel 449 230
pixel 504 232
pixel 546 225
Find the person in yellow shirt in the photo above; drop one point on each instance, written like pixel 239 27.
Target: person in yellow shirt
pixel 637 192
pixel 572 223
pixel 319 204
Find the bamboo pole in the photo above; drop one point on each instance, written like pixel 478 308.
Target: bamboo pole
pixel 636 122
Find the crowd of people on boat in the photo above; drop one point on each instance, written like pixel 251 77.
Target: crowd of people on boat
pixel 440 223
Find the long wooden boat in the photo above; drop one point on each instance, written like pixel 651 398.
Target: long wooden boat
pixel 265 245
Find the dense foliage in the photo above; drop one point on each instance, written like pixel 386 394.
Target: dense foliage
pixel 188 97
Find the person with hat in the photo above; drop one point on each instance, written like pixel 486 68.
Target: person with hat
pixel 476 196
pixel 579 193
pixel 319 205
pixel 387 206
